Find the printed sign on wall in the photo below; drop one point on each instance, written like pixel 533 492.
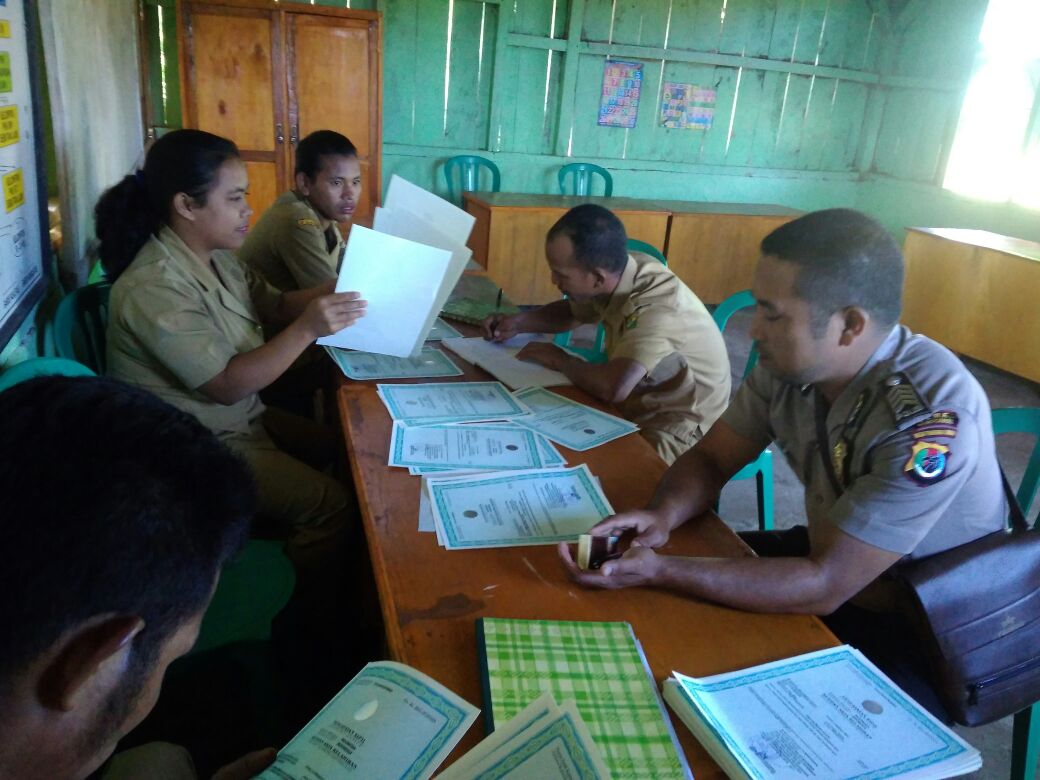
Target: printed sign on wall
pixel 619 100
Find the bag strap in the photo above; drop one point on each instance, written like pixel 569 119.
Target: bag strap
pixel 1018 520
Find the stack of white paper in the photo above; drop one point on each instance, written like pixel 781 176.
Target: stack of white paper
pixel 831 713
pixel 405 268
pixel 513 508
pixel 545 741
pixel 501 362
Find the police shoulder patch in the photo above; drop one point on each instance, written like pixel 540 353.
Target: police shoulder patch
pixel 902 399
pixel 927 462
pixel 307 222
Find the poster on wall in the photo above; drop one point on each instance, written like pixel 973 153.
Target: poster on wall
pixel 619 100
pixel 687 106
pixel 22 281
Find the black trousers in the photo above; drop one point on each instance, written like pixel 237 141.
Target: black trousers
pixel 886 638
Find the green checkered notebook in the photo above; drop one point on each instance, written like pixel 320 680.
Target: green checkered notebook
pixel 601 667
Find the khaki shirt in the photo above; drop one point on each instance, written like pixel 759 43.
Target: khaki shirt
pixel 911 444
pixel 173 326
pixel 657 321
pixel 288 247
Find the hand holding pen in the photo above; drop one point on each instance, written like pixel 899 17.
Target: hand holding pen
pixel 499 327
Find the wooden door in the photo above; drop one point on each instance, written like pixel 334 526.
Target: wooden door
pixel 333 75
pixel 231 66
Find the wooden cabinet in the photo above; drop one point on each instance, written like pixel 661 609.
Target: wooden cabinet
pixel 265 74
pixel 975 292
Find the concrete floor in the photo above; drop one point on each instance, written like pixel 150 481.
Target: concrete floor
pixel 738 507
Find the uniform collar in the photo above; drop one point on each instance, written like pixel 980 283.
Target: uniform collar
pixel 625 286
pixel 865 378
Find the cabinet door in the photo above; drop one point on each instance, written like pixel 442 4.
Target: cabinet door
pixel 333 84
pixel 230 62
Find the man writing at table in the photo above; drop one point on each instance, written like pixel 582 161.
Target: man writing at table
pixel 888 432
pixel 667 368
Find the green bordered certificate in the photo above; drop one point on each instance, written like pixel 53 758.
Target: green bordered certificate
pixel 445 402
pixel 430 362
pixel 598 665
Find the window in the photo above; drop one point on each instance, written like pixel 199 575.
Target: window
pixel 996 151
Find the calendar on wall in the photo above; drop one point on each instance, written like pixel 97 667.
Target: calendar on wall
pixel 23 241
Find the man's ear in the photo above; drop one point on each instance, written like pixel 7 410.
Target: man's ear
pixel 82 656
pixel 854 323
pixel 184 206
pixel 303 185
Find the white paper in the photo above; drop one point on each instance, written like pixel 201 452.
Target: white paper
pixel 454 223
pixel 399 279
pixel 501 362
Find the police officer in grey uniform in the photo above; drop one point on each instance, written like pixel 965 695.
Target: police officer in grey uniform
pixel 887 430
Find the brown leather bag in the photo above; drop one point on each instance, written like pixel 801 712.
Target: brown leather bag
pixel 978 618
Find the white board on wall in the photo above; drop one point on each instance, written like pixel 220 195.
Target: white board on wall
pixel 22 202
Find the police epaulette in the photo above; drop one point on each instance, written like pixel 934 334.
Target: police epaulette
pixel 902 398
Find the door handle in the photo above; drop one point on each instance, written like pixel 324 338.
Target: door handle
pixel 293 132
pixel 279 136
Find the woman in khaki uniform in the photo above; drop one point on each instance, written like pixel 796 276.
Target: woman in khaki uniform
pixel 185 322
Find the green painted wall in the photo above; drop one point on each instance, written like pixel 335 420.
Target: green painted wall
pixel 819 102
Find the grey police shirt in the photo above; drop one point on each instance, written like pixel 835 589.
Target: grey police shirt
pixel 911 443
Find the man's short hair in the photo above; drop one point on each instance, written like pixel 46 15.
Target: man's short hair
pixel 845 258
pixel 115 503
pixel 597 235
pixel 318 145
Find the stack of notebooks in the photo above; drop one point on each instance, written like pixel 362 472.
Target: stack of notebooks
pixel 601 667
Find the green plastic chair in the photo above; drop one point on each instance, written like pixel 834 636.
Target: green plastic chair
pixel 79 326
pixel 762 467
pixel 466 167
pixel 635 245
pixel 580 175
pixel 597 354
pixel 97 274
pixel 1025 738
pixel 41 366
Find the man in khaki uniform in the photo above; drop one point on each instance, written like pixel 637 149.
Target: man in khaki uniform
pixel 174 324
pixel 667 369
pixel 296 243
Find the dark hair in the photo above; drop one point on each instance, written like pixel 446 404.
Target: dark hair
pixel 115 503
pixel 129 212
pixel 319 144
pixel 846 259
pixel 597 235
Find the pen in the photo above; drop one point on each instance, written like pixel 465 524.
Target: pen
pixel 498 300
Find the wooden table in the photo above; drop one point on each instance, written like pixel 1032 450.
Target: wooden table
pixel 976 292
pixel 712 247
pixel 431 597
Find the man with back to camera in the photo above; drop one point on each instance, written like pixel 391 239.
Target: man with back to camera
pixel 887 430
pixel 117 552
pixel 296 243
pixel 667 369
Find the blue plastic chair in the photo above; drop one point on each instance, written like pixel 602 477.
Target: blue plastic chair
pixel 597 354
pixel 762 467
pixel 1025 740
pixel 41 366
pixel 580 175
pixel 466 167
pixel 79 326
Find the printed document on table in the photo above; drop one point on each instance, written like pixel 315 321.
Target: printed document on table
pixel 549 741
pixel 500 360
pixel 399 279
pixel 568 422
pixel 430 362
pixel 831 713
pixel 551 457
pixel 488 447
pixel 439 402
pixel 508 509
pixel 390 721
pixel 442 330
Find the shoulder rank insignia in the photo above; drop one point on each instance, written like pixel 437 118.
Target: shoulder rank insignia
pixel 927 462
pixel 631 321
pixel 902 398
pixel 307 222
